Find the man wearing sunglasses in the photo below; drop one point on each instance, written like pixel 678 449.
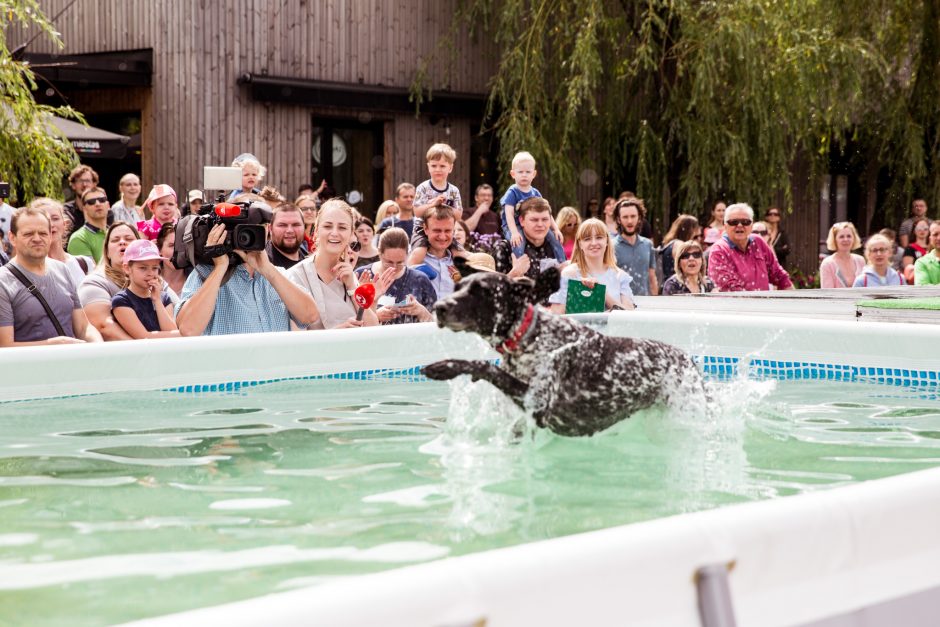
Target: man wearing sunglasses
pixel 741 261
pixel 89 239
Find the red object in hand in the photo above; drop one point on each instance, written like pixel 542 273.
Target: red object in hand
pixel 227 210
pixel 364 297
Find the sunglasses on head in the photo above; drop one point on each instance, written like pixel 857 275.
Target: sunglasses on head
pixel 355 246
pixel 695 255
pixel 740 222
pixel 95 201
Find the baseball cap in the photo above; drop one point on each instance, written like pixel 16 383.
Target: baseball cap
pixel 195 194
pixel 142 250
pixel 159 191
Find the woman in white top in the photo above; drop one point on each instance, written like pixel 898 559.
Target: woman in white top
pixel 126 208
pixel 593 262
pixel 327 274
pixel 79 266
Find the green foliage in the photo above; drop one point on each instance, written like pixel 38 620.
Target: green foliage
pixel 34 156
pixel 701 97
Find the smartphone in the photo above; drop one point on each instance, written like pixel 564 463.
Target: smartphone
pixel 402 303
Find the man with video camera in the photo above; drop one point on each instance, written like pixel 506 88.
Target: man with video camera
pixel 256 298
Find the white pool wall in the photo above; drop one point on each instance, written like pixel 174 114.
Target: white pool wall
pixel 54 371
pixel 801 560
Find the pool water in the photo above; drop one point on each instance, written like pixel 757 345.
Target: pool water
pixel 122 506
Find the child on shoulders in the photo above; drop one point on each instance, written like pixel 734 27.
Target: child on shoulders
pixel 434 192
pixel 523 172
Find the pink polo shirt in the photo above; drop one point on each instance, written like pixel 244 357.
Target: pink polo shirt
pixel 753 269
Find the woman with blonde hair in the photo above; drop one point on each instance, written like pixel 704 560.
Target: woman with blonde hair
pixel 841 267
pixel 878 272
pixel 568 222
pixel 689 275
pixel 327 274
pixel 126 208
pixel 593 262
pixel 387 209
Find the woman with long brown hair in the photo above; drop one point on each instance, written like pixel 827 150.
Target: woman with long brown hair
pixel 683 229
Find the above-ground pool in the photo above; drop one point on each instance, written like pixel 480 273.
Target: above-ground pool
pixel 214 470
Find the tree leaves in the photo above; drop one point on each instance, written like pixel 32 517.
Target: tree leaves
pixel 701 98
pixel 34 155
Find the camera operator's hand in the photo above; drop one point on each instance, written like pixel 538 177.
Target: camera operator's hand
pixel 216 237
pixel 257 260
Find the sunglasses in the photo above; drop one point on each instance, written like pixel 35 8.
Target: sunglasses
pixel 685 256
pixel 95 201
pixel 739 222
pixel 760 231
pixel 879 250
pixel 355 246
pixel 773 213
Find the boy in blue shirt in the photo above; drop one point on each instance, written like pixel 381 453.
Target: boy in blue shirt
pixel 523 172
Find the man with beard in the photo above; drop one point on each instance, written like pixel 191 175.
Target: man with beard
pixel 740 261
pixel 287 234
pixel 635 254
pixel 31 274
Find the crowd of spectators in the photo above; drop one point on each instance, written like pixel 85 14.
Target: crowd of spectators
pixel 87 270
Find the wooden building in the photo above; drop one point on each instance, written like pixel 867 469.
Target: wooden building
pixel 198 82
pixel 205 81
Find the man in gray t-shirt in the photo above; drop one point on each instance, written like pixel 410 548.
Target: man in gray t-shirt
pixel 23 320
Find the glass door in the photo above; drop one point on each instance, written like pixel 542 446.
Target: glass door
pixel 356 167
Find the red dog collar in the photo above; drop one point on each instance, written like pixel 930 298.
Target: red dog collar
pixel 510 344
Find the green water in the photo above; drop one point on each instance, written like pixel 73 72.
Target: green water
pixel 123 506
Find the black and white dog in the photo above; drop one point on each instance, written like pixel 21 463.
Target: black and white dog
pixel 572 379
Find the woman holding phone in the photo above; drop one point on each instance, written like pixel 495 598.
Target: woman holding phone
pixel 410 295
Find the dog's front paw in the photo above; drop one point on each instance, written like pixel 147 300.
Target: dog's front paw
pixel 444 370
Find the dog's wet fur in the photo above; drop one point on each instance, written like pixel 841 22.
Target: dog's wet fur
pixel 572 379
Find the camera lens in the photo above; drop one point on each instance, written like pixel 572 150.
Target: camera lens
pixel 244 239
pixel 249 237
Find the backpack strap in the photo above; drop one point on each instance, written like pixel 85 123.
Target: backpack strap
pixel 32 289
pixel 82 263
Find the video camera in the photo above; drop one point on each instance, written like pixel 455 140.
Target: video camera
pixel 244 224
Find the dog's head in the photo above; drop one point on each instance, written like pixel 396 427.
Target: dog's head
pixel 490 303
